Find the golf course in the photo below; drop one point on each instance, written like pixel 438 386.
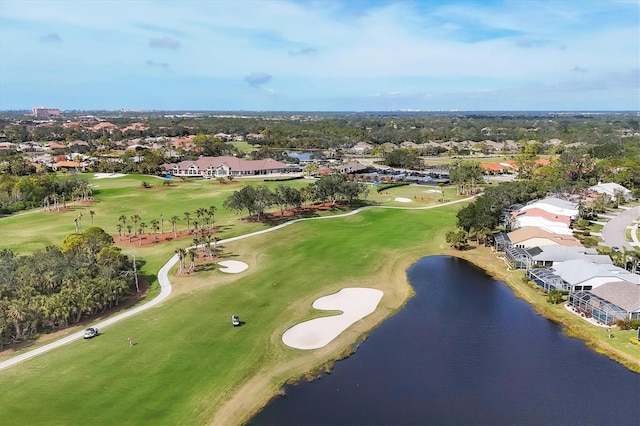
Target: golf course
pixel 188 365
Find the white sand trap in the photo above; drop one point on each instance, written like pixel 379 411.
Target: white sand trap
pixel 107 175
pixel 431 191
pixel 402 200
pixel 355 304
pixel 232 266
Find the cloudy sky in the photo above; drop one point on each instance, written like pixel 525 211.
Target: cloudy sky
pixel 305 55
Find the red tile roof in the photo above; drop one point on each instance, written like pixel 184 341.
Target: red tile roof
pixel 545 214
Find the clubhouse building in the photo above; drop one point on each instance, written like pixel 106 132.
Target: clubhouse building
pixel 221 167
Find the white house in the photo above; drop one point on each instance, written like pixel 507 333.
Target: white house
pixel 362 148
pixel 611 189
pixel 555 206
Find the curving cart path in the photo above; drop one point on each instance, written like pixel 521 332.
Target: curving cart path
pixel 165 284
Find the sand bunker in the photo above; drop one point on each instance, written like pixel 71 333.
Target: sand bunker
pixel 232 266
pixel 355 303
pixel 107 175
pixel 402 200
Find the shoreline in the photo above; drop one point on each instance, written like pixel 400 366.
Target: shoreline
pixel 238 410
pixel 579 330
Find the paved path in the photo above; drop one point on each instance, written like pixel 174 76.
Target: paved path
pixel 614 232
pixel 165 284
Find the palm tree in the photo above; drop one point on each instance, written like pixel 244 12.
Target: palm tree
pixel 211 214
pixel 181 254
pixel 142 228
pixel 161 224
pixel 92 214
pixel 123 219
pixel 192 258
pixel 441 186
pixel 187 215
pixel 215 245
pixel 135 218
pixel 129 228
pixel 120 231
pixel 76 223
pixel 196 241
pixel 174 221
pixel 155 225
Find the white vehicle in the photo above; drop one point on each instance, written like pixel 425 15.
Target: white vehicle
pixel 235 320
pixel 91 332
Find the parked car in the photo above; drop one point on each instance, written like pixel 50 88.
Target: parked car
pixel 91 332
pixel 615 248
pixel 235 320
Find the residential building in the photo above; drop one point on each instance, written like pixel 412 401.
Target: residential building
pixel 555 206
pixel 539 218
pixel 532 236
pixel 611 189
pixel 609 302
pixel 361 148
pixel 549 255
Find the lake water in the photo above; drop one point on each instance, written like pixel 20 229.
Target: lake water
pixel 464 350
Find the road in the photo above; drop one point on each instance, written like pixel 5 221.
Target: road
pixel 614 231
pixel 165 284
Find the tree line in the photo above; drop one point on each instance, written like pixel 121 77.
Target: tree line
pixel 59 286
pixel 40 189
pixel 256 200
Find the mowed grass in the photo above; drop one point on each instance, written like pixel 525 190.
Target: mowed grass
pixel 36 229
pixel 188 360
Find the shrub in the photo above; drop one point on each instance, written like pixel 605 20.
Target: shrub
pixel 628 324
pixel 554 297
pixel 390 185
pixel 590 242
pixel 145 184
pixel 284 179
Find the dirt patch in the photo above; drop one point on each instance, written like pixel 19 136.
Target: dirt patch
pixel 148 239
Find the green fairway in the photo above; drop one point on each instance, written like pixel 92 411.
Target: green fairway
pixel 189 360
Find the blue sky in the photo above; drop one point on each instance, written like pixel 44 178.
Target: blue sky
pixel 305 55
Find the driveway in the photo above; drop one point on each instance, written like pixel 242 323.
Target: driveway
pixel 614 232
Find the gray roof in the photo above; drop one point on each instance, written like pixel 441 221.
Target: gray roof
pixel 557 202
pixel 579 270
pixel 557 253
pixel 622 294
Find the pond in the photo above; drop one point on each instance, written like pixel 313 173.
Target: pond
pixel 464 350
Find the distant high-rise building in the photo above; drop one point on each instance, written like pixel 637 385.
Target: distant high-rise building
pixel 42 112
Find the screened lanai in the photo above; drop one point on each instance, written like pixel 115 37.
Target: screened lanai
pixel 592 306
pixel 518 257
pixel 546 279
pixel 501 241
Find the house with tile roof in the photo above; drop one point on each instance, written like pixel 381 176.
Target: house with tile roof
pixel 539 218
pixel 555 206
pixel 226 166
pixel 532 236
